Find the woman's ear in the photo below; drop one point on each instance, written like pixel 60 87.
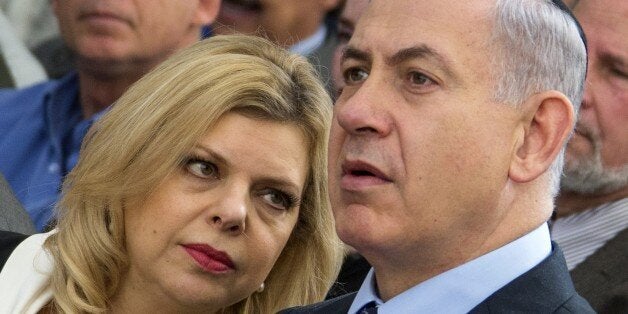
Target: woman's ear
pixel 548 126
pixel 206 12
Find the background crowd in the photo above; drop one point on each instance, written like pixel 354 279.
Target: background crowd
pixel 445 153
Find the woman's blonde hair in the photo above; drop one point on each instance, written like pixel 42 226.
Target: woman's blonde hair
pixel 146 135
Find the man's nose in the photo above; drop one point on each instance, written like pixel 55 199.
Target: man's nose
pixel 366 111
pixel 587 107
pixel 229 213
pixel 588 97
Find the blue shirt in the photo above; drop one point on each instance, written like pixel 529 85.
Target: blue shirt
pixel 41 130
pixel 308 45
pixel 460 289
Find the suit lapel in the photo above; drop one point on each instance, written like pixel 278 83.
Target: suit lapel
pixel 602 274
pixel 542 289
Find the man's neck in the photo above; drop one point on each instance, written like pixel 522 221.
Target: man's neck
pixel 569 203
pixel 99 90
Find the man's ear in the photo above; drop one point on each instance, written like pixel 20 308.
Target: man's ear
pixel 548 124
pixel 206 12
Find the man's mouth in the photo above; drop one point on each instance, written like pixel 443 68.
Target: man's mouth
pixel 585 132
pixel 246 5
pixel 357 175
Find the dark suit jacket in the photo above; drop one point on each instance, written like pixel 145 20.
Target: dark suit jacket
pixel 602 278
pixel 546 288
pixel 322 57
pixel 13 217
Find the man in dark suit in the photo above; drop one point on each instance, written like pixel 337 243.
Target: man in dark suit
pixel 446 152
pixel 303 27
pixel 592 209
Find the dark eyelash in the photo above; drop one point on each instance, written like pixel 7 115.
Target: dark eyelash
pixel 292 201
pixel 344 36
pixel 193 158
pixel 619 73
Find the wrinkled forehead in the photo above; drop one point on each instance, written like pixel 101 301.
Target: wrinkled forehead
pixel 453 24
pixel 455 33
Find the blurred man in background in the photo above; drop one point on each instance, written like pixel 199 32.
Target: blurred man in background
pixel 300 26
pixel 592 209
pixel 115 43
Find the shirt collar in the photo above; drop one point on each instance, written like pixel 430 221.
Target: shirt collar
pixel 309 45
pixel 460 289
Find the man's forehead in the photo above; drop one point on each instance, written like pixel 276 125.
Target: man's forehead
pixel 406 23
pixel 397 30
pixel 404 11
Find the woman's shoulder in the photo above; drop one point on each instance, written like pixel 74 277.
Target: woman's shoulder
pixel 25 274
pixel 9 241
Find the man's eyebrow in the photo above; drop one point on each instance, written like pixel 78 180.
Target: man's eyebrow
pixel 345 22
pixel 422 52
pixel 357 54
pixel 414 52
pixel 613 59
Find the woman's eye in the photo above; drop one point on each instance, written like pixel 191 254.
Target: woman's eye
pixel 202 168
pixel 278 199
pixel 354 75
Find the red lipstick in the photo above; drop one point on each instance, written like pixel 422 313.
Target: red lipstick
pixel 209 259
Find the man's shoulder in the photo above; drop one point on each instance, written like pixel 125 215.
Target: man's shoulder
pixel 546 288
pixel 338 305
pixel 14 97
pixel 602 278
pixel 29 104
pixel 16 93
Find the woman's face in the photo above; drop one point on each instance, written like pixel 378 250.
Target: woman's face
pixel 208 236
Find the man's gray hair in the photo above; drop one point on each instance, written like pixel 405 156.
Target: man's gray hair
pixel 537 47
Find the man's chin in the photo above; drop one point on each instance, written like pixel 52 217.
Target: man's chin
pixel 589 176
pixel 579 147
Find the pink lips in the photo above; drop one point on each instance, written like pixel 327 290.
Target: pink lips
pixel 103 18
pixel 209 259
pixel 357 175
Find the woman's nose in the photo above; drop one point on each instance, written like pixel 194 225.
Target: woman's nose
pixel 229 213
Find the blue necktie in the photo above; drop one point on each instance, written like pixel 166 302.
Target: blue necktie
pixel 369 308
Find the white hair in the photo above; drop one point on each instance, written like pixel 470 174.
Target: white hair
pixel 537 47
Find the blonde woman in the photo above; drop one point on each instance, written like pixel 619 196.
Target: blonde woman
pixel 202 190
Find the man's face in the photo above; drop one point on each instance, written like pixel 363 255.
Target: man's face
pixel 128 31
pixel 419 151
pixel 597 155
pixel 351 12
pixel 284 22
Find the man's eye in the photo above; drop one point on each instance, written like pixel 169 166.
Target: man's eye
pixel 354 75
pixel 344 35
pixel 619 73
pixel 279 200
pixel 202 168
pixel 419 78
